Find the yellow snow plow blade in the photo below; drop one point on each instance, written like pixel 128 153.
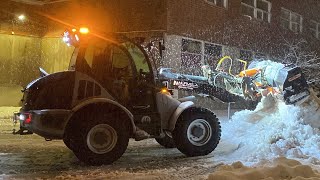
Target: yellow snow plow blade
pixel 260 79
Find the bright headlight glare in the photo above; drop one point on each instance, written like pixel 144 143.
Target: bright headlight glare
pixel 22 117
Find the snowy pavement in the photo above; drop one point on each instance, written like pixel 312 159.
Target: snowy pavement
pixel 254 145
pixel 30 157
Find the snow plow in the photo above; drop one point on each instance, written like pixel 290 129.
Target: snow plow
pixel 231 79
pixel 260 79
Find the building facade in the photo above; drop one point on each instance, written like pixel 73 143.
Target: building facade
pixel 201 31
pixel 192 32
pixel 197 32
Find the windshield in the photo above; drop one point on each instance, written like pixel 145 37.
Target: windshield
pixel 138 57
pixel 105 59
pixel 55 55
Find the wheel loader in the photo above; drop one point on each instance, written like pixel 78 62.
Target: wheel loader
pixel 111 94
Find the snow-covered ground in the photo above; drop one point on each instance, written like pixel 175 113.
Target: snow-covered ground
pixel 276 141
pixel 272 130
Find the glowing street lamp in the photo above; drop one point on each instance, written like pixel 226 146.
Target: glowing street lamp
pixel 21 17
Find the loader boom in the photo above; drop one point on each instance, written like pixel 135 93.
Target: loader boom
pixel 285 82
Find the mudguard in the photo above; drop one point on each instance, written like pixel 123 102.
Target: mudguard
pixel 102 100
pixel 180 109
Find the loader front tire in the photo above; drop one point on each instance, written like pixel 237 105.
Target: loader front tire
pixel 197 132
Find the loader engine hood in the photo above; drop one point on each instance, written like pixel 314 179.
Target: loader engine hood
pixel 53 91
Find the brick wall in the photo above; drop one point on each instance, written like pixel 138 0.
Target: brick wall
pixel 196 19
pixel 200 20
pixel 112 15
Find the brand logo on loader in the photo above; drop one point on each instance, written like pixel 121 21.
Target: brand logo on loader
pixel 185 85
pixel 146 119
pixel 294 77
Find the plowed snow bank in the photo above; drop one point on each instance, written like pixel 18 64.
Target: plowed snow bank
pixel 282 168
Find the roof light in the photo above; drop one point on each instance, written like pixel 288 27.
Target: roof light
pixel 84 30
pixel 73 30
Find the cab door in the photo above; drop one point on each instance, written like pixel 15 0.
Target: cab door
pixel 143 102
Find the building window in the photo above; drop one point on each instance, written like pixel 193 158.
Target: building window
pixel 259 9
pixel 259 55
pixel 212 53
pixel 220 3
pixel 196 53
pixel 315 28
pixel 291 20
pixel 191 55
pixel 246 55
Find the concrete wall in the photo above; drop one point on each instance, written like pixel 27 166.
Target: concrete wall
pixel 172 53
pixel 55 54
pixel 20 59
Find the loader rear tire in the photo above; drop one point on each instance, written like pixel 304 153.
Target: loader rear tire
pixel 101 138
pixel 197 132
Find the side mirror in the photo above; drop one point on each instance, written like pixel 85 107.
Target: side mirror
pixel 43 73
pixel 161 48
pixel 144 75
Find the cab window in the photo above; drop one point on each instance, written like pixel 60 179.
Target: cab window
pixel 121 67
pixel 104 61
pixel 138 57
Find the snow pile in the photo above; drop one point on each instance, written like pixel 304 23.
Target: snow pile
pixel 282 168
pixel 272 130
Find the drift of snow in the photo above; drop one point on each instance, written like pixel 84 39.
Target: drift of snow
pixel 281 168
pixel 272 130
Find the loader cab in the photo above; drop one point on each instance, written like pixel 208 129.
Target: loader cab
pixel 121 67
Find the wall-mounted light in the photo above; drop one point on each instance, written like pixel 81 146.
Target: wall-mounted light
pixel 21 17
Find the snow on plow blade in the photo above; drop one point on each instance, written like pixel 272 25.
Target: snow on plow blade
pixel 261 78
pixel 295 87
pixel 282 81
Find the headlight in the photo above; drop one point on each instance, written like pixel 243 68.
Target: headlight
pixel 22 117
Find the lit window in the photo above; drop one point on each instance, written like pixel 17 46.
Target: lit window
pixel 259 9
pixel 291 20
pixel 220 3
pixel 315 28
